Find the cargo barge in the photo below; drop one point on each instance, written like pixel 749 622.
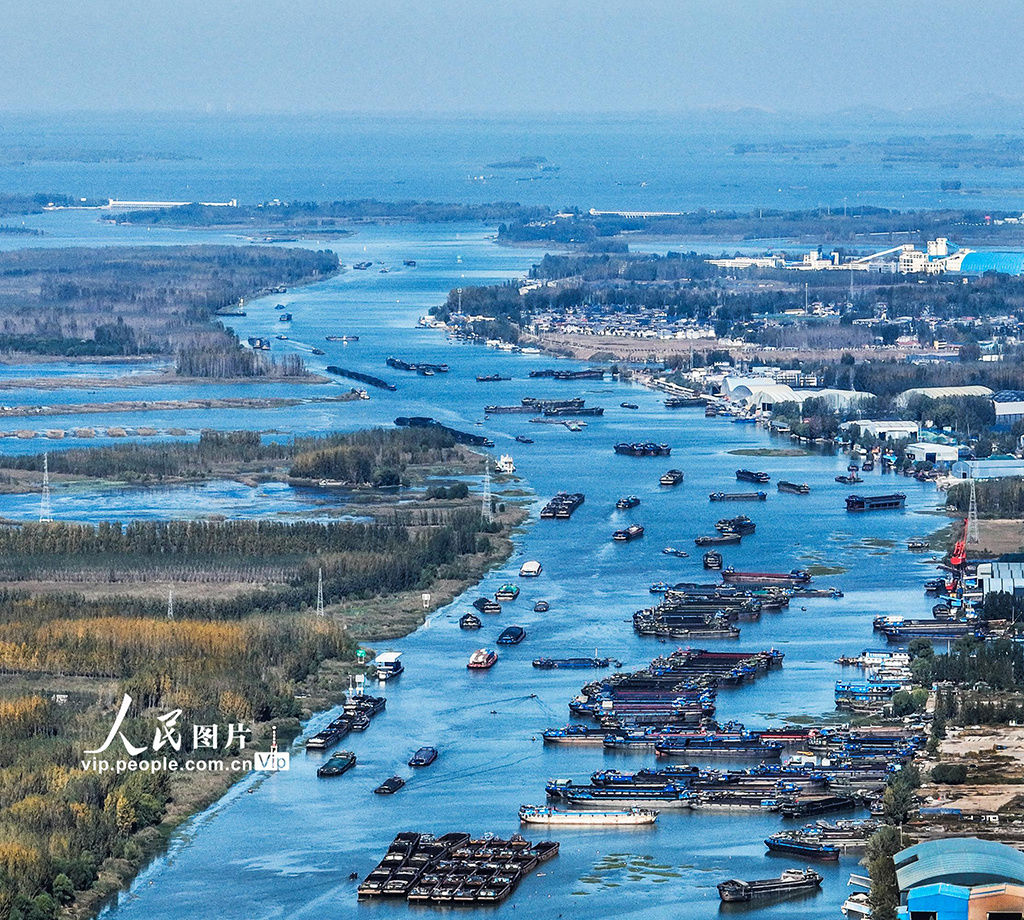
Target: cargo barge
pixel 752 476
pixel 875 502
pixel 592 373
pixel 791 882
pixel 543 814
pixel 368 379
pixel 783 579
pixel 422 368
pixel 794 488
pixel 562 506
pixel 738 496
pixel 643 449
pixel 461 437
pixel 454 869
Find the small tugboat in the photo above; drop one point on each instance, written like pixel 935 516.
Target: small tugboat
pixel 849 479
pixel 672 478
pixel 722 539
pixel 544 814
pixel 469 621
pixel 523 439
pixel 917 545
pixel 424 757
pixel 633 532
pixel 507 592
pixel 789 843
pixel 512 635
pixel 672 551
pixel 317 351
pixel 339 762
pixel 541 607
pixel 712 560
pixel 791 882
pixel 630 501
pixel 751 476
pixel 530 569
pixel 795 488
pixel 629 405
pixel 482 659
pixel 486 605
pixel 390 786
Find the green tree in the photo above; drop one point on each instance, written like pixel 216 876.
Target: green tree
pixel 885 893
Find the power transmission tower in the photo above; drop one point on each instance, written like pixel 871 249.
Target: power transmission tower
pixel 320 593
pixel 972 517
pixel 45 508
pixel 170 604
pixel 485 508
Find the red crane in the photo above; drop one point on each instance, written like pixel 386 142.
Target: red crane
pixel 957 560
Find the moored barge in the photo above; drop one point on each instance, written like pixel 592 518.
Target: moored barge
pixel 794 488
pixel 757 476
pixel 790 882
pixel 875 502
pixel 643 449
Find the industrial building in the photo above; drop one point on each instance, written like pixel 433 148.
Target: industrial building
pixel 941 455
pixel 1000 575
pixel 886 430
pixel 941 393
pixel 989 468
pixel 1009 406
pixel 960 878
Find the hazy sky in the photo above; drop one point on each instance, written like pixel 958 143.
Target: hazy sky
pixel 505 55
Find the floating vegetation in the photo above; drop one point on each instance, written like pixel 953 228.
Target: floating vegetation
pixel 769 452
pixel 615 869
pixel 822 569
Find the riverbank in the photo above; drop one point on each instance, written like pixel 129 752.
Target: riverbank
pixel 164 405
pixel 153 379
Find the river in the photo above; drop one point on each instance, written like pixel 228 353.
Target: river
pixel 287 849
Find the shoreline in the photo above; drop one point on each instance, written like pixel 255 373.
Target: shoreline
pixel 156 378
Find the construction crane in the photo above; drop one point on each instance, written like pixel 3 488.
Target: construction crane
pixel 958 559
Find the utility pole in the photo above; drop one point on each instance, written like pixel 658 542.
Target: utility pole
pixel 485 509
pixel 972 517
pixel 45 508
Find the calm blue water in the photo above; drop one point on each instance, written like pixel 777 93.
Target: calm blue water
pixel 286 851
pixel 649 162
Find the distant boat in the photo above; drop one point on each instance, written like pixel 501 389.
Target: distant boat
pixel 513 635
pixel 409 263
pixel 285 318
pixel 672 551
pixel 541 607
pixel 424 757
pixel 341 338
pixel 507 592
pixel 469 621
pixel 388 665
pixel 523 439
pixel 629 405
pixel 339 762
pixel 530 569
pixel 390 786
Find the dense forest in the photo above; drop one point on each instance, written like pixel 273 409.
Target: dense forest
pixel 355 458
pixel 125 301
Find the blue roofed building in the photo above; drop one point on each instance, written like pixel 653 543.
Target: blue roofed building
pixel 1009 263
pixel 960 878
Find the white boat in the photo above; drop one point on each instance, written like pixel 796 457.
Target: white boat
pixel 630 817
pixel 388 665
pixel 506 464
pixel 857 906
pixel 530 569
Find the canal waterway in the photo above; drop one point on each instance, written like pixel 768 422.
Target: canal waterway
pixel 287 849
